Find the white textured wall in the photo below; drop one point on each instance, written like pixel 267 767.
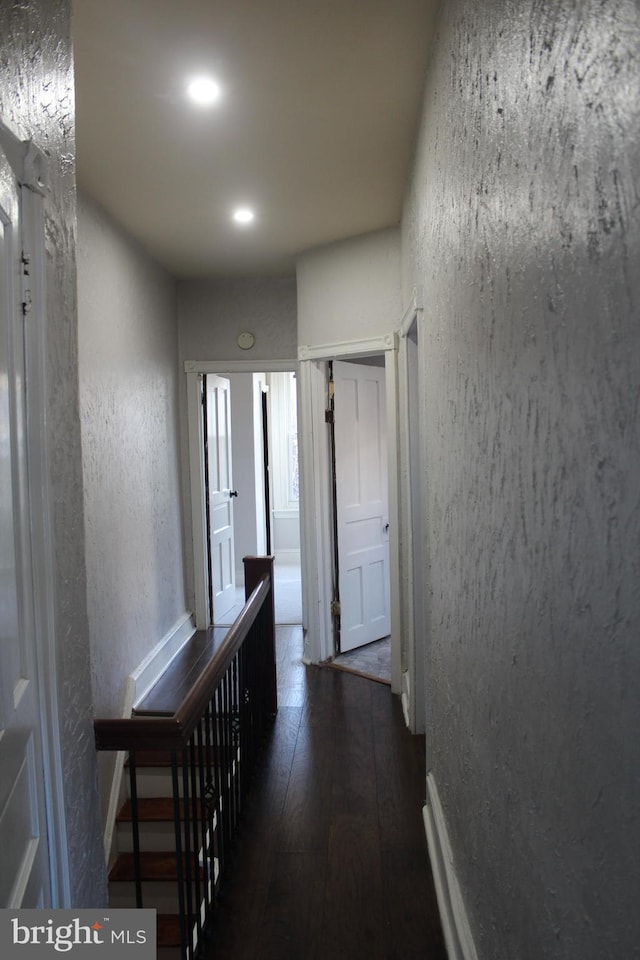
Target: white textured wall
pixel 128 391
pixel 350 290
pixel 211 315
pixel 214 312
pixel 522 226
pixel 37 98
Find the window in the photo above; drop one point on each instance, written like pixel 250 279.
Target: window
pixel 284 441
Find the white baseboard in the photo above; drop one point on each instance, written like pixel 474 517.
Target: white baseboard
pixel 138 685
pixel 455 925
pixel 157 661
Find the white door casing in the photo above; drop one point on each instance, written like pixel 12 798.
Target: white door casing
pixel 24 877
pixel 413 472
pixel 361 503
pixel 221 494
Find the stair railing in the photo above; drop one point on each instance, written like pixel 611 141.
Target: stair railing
pixel 211 736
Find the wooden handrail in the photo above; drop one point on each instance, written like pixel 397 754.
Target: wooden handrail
pixel 173 732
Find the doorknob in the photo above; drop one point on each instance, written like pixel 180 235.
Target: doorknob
pixel 233 493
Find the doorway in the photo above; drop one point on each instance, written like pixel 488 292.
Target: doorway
pixel 360 503
pixel 317 518
pixel 260 498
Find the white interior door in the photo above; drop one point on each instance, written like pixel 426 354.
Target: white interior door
pixel 24 873
pixel 361 503
pixel 221 495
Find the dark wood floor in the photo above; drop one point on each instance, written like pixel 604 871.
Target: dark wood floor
pixel 332 862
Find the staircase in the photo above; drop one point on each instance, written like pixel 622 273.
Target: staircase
pixel 192 746
pixel 157 846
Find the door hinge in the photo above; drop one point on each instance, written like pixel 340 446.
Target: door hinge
pixel 26 283
pixel 328 416
pixel 335 608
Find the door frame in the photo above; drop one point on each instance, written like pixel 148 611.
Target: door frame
pixel 412 518
pixel 30 168
pixel 317 548
pixel 195 437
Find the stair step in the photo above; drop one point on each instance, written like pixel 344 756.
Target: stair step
pixel 162 758
pixel 156 824
pixel 150 810
pixel 168 930
pixel 154 865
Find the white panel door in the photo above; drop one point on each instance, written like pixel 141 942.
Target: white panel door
pixel 221 495
pixel 24 868
pixel 361 503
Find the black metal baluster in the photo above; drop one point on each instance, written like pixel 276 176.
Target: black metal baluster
pixel 244 745
pixel 235 735
pixel 135 828
pixel 206 828
pixel 230 760
pixel 177 821
pixel 188 853
pixel 213 781
pixel 221 770
pixel 197 846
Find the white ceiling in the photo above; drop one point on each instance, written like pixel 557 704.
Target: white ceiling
pixel 315 128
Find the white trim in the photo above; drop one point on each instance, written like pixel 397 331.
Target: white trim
pixel 195 429
pixel 407 533
pixel 348 348
pixel 240 366
pixel 138 685
pixel 406 698
pixel 393 454
pixel 455 924
pixel 42 558
pixel 410 526
pixel 29 166
pixel 315 541
pixel 157 661
pixel 28 163
pixel 416 306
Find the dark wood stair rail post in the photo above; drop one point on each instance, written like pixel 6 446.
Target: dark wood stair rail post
pixel 255 569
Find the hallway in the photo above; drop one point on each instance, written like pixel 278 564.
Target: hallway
pixel 332 861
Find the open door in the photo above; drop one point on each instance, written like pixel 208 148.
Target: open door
pixel 362 510
pixel 219 495
pixel 24 877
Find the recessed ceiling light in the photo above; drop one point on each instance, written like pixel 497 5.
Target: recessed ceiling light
pixel 243 215
pixel 203 91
